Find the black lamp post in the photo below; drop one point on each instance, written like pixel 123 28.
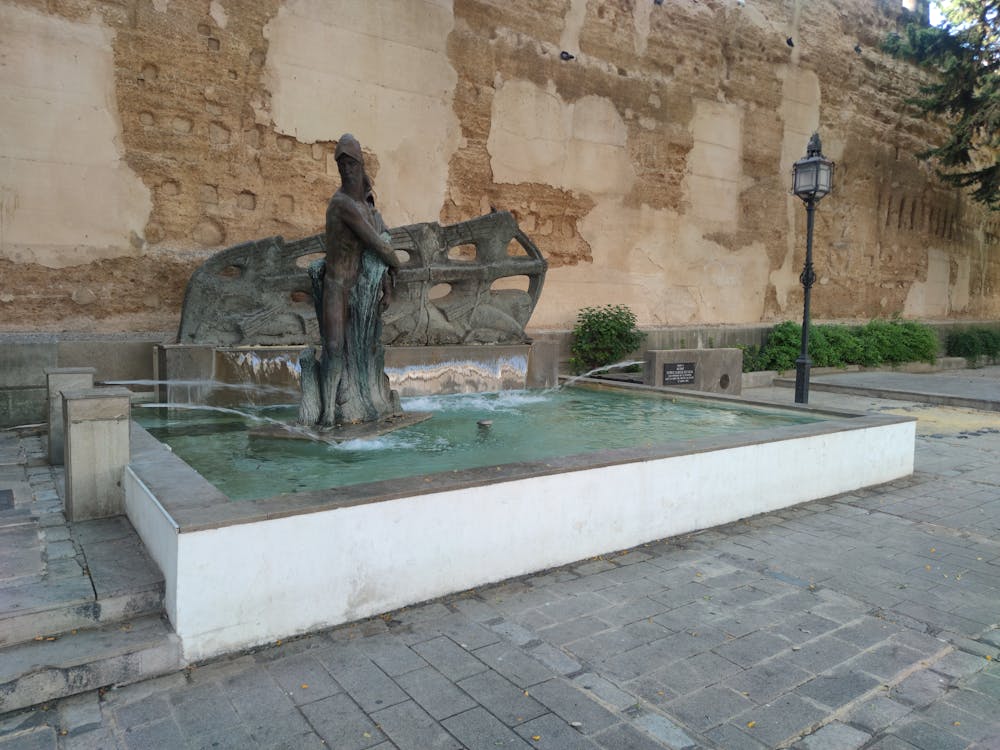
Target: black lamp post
pixel 812 178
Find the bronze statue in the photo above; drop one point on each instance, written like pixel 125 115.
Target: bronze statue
pixel 353 386
pixel 358 299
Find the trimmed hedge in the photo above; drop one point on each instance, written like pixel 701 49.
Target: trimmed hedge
pixel 978 344
pixel 876 343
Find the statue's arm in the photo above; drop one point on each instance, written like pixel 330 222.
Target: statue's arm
pixel 350 215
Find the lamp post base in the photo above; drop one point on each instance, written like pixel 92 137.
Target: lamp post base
pixel 802 365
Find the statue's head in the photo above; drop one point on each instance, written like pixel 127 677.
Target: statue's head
pixel 348 145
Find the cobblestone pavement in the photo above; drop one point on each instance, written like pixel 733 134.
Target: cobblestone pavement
pixel 866 620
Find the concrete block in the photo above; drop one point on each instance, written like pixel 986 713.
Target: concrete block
pixel 180 362
pixel 59 379
pixel 113 359
pixel 97 451
pixel 712 370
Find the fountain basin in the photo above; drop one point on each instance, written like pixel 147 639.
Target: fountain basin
pixel 239 574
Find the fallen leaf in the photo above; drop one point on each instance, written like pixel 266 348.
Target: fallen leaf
pixel 927 567
pixel 751 724
pixel 933 550
pixel 956 723
pixel 304 686
pixel 536 737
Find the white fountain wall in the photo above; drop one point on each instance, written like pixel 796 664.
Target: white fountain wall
pixel 248 583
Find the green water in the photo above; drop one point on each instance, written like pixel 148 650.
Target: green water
pixel 526 426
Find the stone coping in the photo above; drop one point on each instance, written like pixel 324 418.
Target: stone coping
pixel 193 504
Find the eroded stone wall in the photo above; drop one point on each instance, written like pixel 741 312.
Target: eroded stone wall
pixel 652 168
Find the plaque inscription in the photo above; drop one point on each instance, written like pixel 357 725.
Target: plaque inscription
pixel 678 373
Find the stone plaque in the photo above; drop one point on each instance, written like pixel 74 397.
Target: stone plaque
pixel 678 373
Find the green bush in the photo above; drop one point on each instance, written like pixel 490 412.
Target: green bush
pixel 875 343
pixel 975 343
pixel 603 336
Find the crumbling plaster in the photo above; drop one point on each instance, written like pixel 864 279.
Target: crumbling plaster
pixel 652 168
pixel 66 195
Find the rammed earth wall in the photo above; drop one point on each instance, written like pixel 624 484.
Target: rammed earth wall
pixel 652 169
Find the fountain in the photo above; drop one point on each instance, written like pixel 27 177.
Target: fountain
pixel 289 559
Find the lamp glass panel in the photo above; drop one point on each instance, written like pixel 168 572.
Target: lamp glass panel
pixel 805 177
pixel 825 177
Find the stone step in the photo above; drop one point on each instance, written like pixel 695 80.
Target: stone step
pixel 115 654
pixel 91 574
pixel 47 608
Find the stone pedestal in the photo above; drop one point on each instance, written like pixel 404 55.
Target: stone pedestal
pixel 59 379
pixel 711 370
pixel 97 451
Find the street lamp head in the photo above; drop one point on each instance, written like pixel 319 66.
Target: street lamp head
pixel 812 176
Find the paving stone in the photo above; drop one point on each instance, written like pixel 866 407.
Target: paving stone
pixel 920 688
pixel 228 738
pixel 255 694
pixel 626 737
pixel 838 689
pixel 766 681
pixel 555 659
pixel 823 653
pixel 662 729
pixel 650 690
pixel 343 725
pixel 868 631
pixel 834 736
pixel 478 730
pixel 891 743
pixel 143 711
pixel 928 737
pixel 803 628
pixel 437 695
pixel 603 690
pixel 466 633
pixel 37 738
pixel 203 709
pixel 781 720
pixel 286 730
pixel 585 603
pixel 80 713
pixel 573 705
pixel 876 713
pixel 885 661
pixel 971 726
pixel 449 658
pixel 156 735
pixel 549 732
pixel 696 672
pixel 959 664
pixel 709 707
pixel 609 643
pixel 505 700
pixel 514 664
pixel 512 632
pixel 303 678
pixel 410 728
pixel 732 737
pixel 102 738
pixel 567 632
pixel 592 567
pixel 392 657
pixel 752 648
pixel 634 610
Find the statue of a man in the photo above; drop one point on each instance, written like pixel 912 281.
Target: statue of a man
pixel 353 385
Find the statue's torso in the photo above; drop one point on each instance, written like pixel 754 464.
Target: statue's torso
pixel 343 246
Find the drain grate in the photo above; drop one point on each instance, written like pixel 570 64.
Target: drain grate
pixel 6 499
